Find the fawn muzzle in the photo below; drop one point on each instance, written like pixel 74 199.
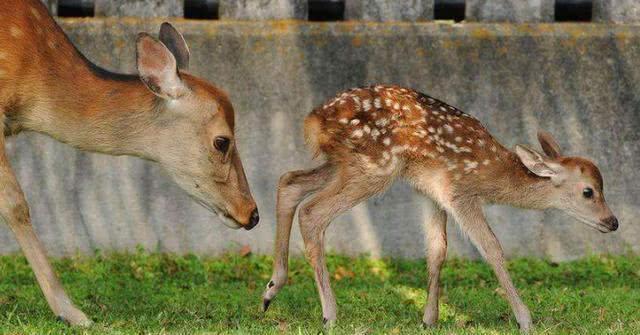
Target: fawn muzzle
pixel 610 223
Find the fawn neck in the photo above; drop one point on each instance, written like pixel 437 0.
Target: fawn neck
pixel 512 184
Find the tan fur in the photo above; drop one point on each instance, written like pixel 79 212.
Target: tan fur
pixel 372 135
pixel 48 86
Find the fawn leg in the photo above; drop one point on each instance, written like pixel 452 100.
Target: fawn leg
pixel 470 216
pixel 347 189
pixel 15 212
pixel 293 188
pixel 436 254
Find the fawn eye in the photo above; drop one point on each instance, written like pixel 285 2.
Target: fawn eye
pixel 588 193
pixel 221 144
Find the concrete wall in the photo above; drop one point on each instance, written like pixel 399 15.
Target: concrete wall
pixel 580 82
pixel 509 10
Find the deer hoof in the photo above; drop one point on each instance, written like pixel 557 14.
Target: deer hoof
pixel 265 304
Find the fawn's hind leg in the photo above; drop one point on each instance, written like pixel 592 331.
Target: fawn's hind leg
pixel 347 188
pixel 293 188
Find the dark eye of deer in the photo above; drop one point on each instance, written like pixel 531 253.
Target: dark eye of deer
pixel 221 144
pixel 588 193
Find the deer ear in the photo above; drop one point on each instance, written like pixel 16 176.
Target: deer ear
pixel 174 41
pixel 157 68
pixel 536 163
pixel 549 144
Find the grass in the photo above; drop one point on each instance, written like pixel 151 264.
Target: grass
pixel 145 293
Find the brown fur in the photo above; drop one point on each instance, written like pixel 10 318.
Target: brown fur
pixel 372 135
pixel 48 86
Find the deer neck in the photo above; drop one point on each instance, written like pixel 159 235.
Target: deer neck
pixel 95 110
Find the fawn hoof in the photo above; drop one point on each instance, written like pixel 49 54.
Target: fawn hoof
pixel 265 304
pixel 526 328
pixel 426 325
pixel 524 321
pixel 79 320
pixel 328 324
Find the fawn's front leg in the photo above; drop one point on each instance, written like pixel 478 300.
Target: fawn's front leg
pixel 468 213
pixel 436 254
pixel 15 212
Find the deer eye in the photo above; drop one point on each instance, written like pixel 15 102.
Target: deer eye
pixel 221 144
pixel 588 193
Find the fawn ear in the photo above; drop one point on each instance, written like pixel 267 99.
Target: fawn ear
pixel 539 165
pixel 174 41
pixel 549 144
pixel 157 68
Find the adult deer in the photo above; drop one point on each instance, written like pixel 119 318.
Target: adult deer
pixel 164 114
pixel 372 136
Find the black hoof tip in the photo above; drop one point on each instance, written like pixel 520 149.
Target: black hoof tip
pixel 63 320
pixel 265 304
pixel 271 284
pixel 324 321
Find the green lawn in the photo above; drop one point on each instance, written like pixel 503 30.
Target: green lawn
pixel 154 293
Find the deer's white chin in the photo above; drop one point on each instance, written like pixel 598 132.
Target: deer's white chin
pixel 226 220
pixel 229 222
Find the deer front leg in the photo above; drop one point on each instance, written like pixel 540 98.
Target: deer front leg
pixel 343 192
pixel 15 212
pixel 292 189
pixel 436 254
pixel 470 216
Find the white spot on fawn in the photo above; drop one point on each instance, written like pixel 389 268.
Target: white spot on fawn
pixel 366 105
pixel 344 120
pixel 382 122
pixel 470 165
pixel 15 31
pixel 355 122
pixel 386 141
pixel 448 128
pixel 396 106
pixel 357 133
pixel 35 13
pixel 376 103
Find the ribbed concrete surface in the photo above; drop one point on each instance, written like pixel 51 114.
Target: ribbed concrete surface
pixel 578 81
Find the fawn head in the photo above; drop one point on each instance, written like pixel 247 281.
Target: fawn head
pixel 577 183
pixel 194 130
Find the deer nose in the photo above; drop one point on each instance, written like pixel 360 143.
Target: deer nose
pixel 253 221
pixel 612 222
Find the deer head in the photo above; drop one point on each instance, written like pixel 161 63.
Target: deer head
pixel 577 183
pixel 193 131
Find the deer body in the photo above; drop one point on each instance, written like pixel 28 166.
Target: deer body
pixel 371 136
pixel 163 114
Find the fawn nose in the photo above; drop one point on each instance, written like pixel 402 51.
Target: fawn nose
pixel 253 221
pixel 612 223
